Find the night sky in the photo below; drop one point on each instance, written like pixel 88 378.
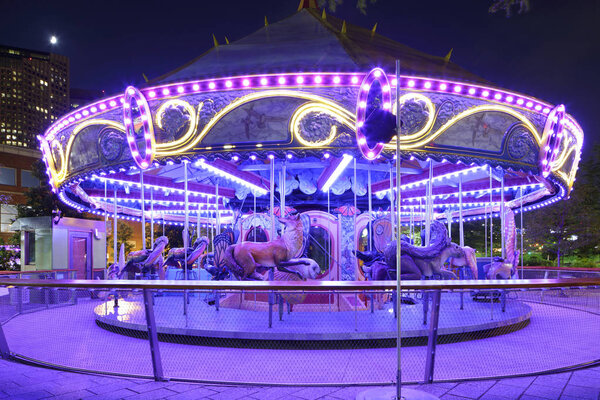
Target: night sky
pixel 552 52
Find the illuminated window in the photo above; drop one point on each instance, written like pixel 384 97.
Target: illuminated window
pixel 8 176
pixel 28 180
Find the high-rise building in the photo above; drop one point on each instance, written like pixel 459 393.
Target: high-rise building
pixel 34 92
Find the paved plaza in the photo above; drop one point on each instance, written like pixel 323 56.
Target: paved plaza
pixel 20 381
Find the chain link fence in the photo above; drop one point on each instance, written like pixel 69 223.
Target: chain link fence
pixel 304 336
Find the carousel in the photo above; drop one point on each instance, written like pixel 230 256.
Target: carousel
pixel 276 155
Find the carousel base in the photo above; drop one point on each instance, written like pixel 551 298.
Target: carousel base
pixel 205 324
pixel 389 393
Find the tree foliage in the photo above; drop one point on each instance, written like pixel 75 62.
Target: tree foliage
pixel 124 235
pixel 570 227
pixel 507 6
pixel 41 201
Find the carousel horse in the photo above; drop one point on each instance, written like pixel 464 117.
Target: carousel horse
pixel 242 259
pixel 428 260
pixel 468 259
pixel 218 268
pixel 506 268
pixel 175 257
pixel 145 261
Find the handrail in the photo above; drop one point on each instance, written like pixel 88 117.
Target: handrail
pixel 44 271
pixel 313 286
pixel 572 269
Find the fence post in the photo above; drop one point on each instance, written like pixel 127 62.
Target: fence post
pixel 153 336
pixel 432 339
pixel 4 350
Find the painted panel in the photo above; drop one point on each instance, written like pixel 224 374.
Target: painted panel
pixel 257 121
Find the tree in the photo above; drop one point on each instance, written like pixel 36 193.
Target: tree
pixel 124 235
pixel 41 201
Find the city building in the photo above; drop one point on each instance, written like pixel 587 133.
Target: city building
pixel 34 92
pixel 16 177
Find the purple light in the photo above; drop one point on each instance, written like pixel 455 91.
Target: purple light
pixel 196 87
pixel 235 158
pixel 529 104
pixel 497 96
pixel 509 99
pixel 263 81
pixel 538 107
pixel 253 157
pixel 485 93
pixel 142 104
pixel 281 80
pixel 228 84
pixel 457 89
pixel 411 83
pixel 318 79
pixel 443 86
pixel 326 155
pixel 211 85
pixel 300 80
pixel 112 103
pixel 471 91
pixel 180 89
pixel 354 80
pixel 166 92
pixel 394 82
pixel 151 94
pixel 336 80
pixel 289 155
pixel 102 107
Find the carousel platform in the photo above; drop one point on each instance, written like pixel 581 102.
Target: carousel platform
pixel 204 324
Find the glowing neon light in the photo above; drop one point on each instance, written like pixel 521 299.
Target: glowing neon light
pixel 193 123
pixel 133 94
pixel 551 139
pixel 220 172
pixel 346 159
pixel 376 74
pixel 340 114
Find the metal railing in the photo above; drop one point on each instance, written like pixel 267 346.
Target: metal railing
pixel 322 332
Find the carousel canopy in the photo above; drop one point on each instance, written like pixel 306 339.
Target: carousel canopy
pixel 284 111
pixel 309 41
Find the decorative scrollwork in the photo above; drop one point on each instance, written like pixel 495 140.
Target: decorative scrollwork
pixel 520 145
pixel 111 143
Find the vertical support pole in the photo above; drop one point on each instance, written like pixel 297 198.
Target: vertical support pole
pixel 151 217
pixel 429 204
pixel 355 235
pixel 491 216
pixel 282 189
pixel 432 339
pixel 272 212
pixel 370 235
pixel 186 237
pixel 502 219
pixel 153 337
pixel 106 225
pixel 460 212
pixel 449 221
pixel 272 198
pixel 398 241
pixel 522 271
pixel 392 219
pixel 115 254
pixel 143 209
pixel 4 349
pixel 485 229
pixel 217 217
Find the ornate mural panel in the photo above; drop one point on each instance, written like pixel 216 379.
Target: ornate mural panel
pixel 258 121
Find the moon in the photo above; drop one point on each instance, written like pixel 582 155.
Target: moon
pixel 53 39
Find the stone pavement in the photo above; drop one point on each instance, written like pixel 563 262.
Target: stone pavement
pixel 20 381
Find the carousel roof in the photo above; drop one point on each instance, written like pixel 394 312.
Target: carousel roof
pixel 309 41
